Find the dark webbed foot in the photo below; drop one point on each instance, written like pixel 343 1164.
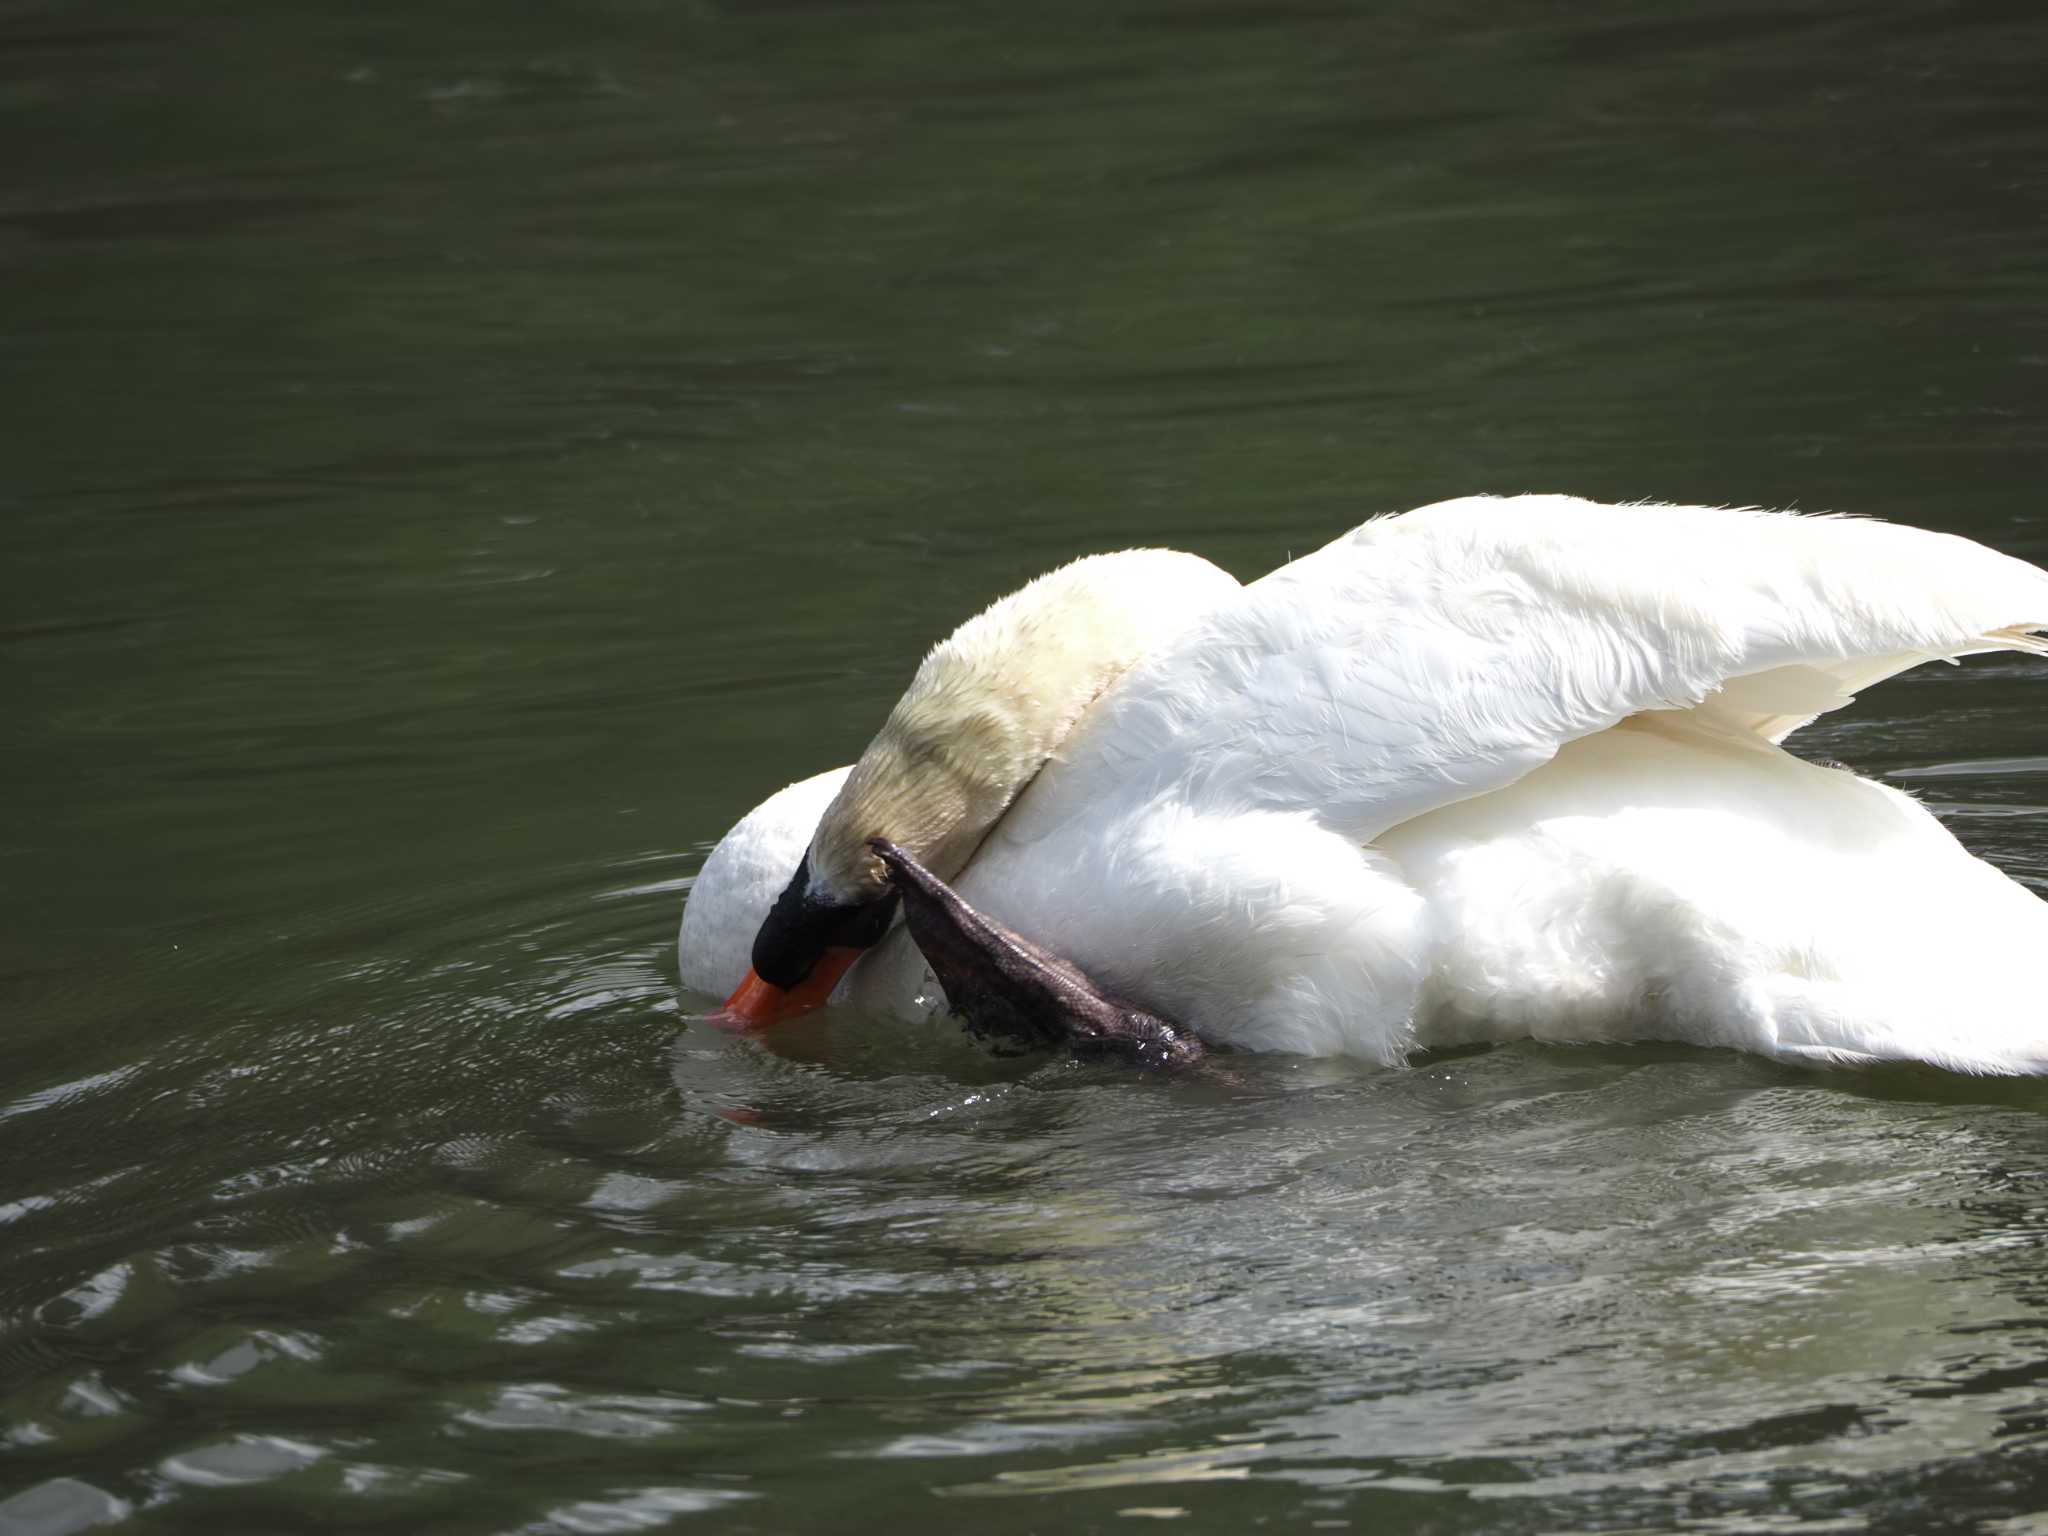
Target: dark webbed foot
pixel 1014 994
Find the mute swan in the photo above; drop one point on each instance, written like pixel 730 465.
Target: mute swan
pixel 1491 769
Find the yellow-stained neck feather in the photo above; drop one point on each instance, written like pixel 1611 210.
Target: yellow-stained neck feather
pixel 994 701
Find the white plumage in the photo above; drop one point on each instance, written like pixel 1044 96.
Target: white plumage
pixel 1498 768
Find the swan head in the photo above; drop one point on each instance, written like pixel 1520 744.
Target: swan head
pixel 987 708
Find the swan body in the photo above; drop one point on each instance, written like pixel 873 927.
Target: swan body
pixel 1500 768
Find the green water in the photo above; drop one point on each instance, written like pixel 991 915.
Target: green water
pixel 458 457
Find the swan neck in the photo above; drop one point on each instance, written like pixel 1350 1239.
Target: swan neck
pixel 993 703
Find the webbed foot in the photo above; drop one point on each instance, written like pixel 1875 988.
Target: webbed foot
pixel 1011 992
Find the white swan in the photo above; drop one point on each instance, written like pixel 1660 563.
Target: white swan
pixel 1491 769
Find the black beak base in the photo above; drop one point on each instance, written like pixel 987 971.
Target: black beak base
pixel 801 926
pixel 1015 995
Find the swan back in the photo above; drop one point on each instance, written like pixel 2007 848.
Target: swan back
pixel 1426 658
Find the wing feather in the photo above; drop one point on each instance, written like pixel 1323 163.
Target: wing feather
pixel 1439 654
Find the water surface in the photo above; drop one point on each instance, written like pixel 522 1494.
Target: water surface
pixel 460 457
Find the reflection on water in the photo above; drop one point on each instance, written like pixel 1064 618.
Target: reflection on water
pixel 460 461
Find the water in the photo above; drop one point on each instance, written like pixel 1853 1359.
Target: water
pixel 458 458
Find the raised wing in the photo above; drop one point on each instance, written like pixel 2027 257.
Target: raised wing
pixel 1443 653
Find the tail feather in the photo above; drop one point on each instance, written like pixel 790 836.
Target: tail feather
pixel 2031 638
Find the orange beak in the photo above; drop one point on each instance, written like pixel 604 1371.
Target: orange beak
pixel 758 1003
